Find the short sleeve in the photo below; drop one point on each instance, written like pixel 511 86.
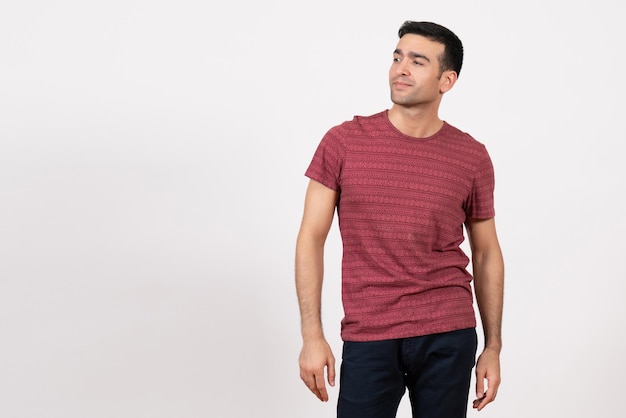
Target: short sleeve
pixel 327 162
pixel 480 202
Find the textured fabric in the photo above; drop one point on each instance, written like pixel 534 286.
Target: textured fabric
pixel 436 370
pixel 402 205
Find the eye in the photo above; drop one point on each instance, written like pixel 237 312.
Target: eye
pixel 417 63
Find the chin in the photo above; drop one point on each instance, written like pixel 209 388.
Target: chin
pixel 400 101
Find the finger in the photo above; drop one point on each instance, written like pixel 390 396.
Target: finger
pixel 483 402
pixel 480 386
pixel 489 397
pixel 313 388
pixel 480 403
pixel 476 404
pixel 309 382
pixel 491 393
pixel 321 387
pixel 317 393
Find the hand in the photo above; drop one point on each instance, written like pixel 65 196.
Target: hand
pixel 487 368
pixel 314 357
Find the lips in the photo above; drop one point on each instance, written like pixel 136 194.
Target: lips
pixel 401 84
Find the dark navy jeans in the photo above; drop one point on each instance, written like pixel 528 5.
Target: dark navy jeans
pixel 435 369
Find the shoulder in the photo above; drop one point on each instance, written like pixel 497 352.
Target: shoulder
pixel 360 126
pixel 464 141
pixel 453 132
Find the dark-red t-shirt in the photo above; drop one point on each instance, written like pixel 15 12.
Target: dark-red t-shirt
pixel 402 205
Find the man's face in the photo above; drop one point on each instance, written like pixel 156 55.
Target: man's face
pixel 414 76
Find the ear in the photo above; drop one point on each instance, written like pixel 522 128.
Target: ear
pixel 447 80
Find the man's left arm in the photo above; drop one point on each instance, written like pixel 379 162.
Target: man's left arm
pixel 488 269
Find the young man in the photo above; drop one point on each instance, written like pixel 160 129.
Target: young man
pixel 404 182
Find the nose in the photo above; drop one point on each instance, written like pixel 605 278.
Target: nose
pixel 402 68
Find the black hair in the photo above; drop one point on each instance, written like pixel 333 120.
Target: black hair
pixel 452 57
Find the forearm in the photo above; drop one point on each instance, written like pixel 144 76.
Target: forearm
pixel 489 288
pixel 316 355
pixel 309 278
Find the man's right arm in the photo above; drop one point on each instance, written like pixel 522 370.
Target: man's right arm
pixel 316 355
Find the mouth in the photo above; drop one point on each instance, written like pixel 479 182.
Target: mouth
pixel 401 84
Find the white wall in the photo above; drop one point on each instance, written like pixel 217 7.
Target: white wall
pixel 151 187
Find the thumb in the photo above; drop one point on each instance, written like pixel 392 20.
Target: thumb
pixel 331 371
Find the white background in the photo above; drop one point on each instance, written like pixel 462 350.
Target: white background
pixel 151 186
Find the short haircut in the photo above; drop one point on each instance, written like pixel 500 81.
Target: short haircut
pixel 452 57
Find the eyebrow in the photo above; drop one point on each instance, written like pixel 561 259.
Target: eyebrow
pixel 412 54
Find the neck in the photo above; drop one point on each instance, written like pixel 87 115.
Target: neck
pixel 415 122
